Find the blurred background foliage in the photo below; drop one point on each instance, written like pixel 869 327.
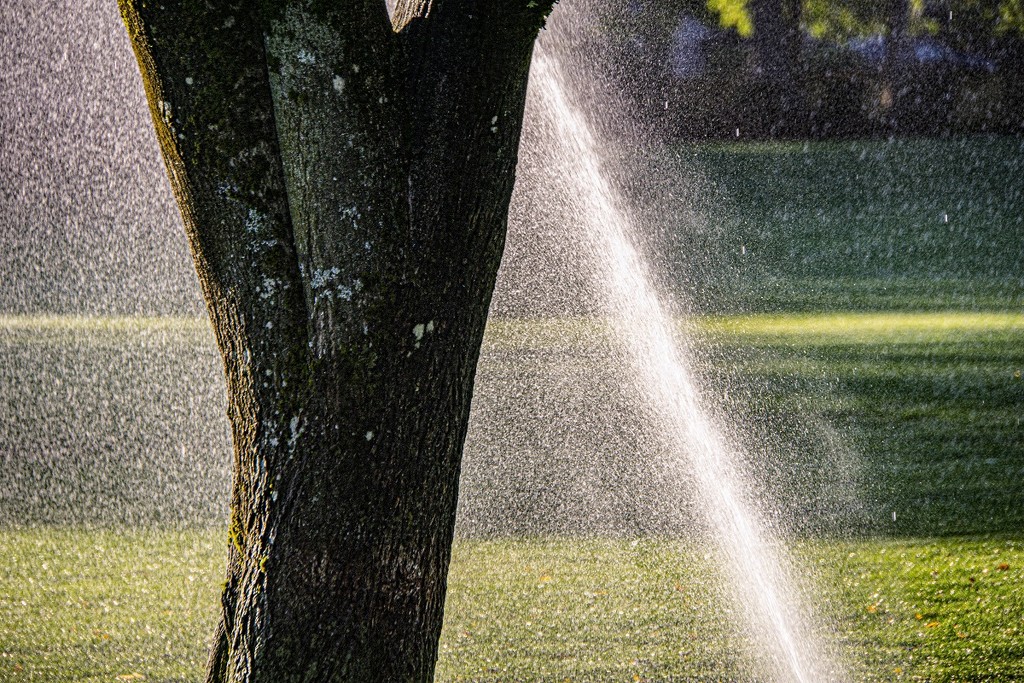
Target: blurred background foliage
pixel 819 69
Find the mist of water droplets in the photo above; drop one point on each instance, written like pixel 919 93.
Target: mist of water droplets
pixel 661 369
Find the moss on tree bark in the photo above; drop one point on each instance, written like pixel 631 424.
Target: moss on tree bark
pixel 344 179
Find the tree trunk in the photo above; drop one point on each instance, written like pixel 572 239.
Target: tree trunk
pixel 897 48
pixel 777 47
pixel 344 179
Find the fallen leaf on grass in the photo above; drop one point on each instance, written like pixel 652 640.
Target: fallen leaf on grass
pixel 931 624
pixel 1003 567
pixel 131 677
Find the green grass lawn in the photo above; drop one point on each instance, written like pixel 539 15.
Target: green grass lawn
pixel 921 411
pixel 931 404
pixel 848 225
pixel 928 401
pixel 862 330
pixel 108 605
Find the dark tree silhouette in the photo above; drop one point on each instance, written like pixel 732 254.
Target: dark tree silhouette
pixel 344 177
pixel 777 43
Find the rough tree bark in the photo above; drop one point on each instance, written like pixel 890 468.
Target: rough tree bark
pixel 344 178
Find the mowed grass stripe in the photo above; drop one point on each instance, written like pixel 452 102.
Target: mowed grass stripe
pixel 797 328
pixel 105 605
pixel 838 327
pixel 104 331
pixel 85 323
pixel 867 327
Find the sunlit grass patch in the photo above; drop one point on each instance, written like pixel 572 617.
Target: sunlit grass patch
pixel 930 610
pixel 867 328
pixel 830 327
pixel 102 605
pixel 87 324
pixel 103 330
pixel 587 610
pixel 858 326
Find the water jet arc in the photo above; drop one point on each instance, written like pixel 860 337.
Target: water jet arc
pixel 760 578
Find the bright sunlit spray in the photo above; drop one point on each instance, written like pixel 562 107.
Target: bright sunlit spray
pixel 761 581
